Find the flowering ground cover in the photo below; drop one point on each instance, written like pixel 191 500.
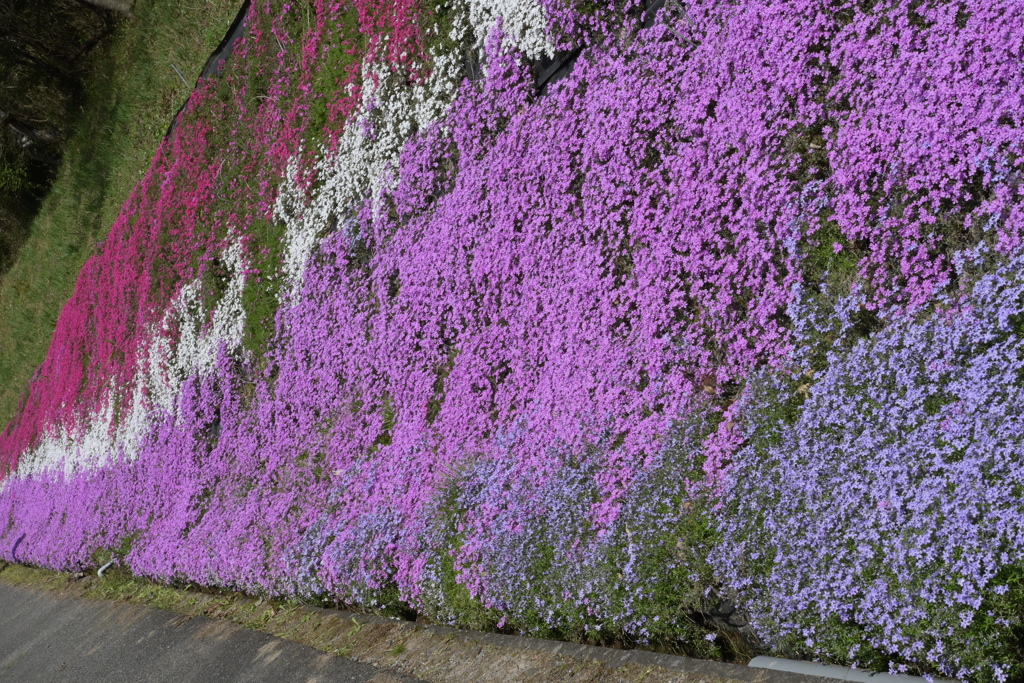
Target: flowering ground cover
pixel 130 91
pixel 730 316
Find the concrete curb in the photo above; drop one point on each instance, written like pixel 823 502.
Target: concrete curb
pixel 691 669
pixel 831 671
pixel 426 651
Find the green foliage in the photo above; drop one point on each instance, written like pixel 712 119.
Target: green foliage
pixel 346 44
pixel 1000 622
pixel 449 601
pixel 13 175
pixel 657 576
pixel 130 93
pixel 825 266
pixel 438 19
pixel 465 610
pixel 16 206
pixel 261 296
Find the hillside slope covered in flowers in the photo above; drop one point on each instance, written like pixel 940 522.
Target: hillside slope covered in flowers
pixel 714 344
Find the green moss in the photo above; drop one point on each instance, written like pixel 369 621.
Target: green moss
pixel 468 611
pixel 261 296
pixel 824 266
pixel 340 60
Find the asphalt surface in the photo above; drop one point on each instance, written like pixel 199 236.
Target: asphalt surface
pixel 49 637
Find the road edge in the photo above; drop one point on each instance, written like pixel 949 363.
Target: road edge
pixel 427 651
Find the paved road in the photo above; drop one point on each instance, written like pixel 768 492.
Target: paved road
pixel 48 637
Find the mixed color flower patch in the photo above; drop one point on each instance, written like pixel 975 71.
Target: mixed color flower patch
pixel 731 313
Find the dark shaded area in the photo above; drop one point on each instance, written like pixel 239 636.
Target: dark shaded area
pixel 474 70
pixel 44 49
pixel 651 13
pixel 550 70
pixel 673 15
pixel 14 548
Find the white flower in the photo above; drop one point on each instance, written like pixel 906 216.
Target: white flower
pixel 116 429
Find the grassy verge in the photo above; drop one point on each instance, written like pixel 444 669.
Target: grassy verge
pixel 430 652
pixel 131 94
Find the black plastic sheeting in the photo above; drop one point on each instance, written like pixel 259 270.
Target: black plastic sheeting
pixel 549 70
pixel 474 69
pixel 215 62
pixel 546 70
pixel 674 13
pixel 651 13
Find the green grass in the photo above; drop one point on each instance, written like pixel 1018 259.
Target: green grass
pixel 261 303
pixel 341 57
pixel 131 94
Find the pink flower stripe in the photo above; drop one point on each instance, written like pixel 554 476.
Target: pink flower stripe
pixel 520 339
